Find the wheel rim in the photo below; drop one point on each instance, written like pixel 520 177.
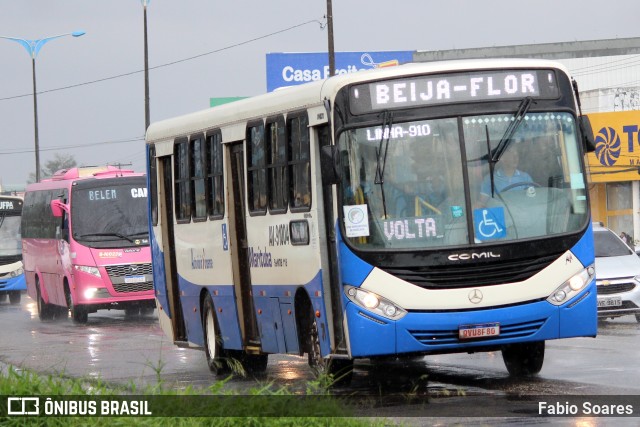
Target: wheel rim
pixel 211 334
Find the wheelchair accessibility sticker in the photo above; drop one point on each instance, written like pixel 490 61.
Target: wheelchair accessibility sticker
pixel 489 223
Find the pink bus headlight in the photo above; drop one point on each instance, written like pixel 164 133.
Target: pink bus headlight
pixel 89 270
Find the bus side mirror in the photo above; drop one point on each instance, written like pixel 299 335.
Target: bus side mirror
pixel 329 167
pixel 58 208
pixel 587 134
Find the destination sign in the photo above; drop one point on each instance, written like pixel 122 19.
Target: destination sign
pixel 438 89
pixel 10 205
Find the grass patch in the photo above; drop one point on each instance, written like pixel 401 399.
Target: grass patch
pixel 261 406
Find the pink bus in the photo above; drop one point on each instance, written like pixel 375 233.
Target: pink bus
pixel 85 243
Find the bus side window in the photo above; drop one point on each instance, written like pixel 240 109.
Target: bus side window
pixel 182 181
pixel 215 179
pixel 277 165
pixel 256 168
pixel 197 177
pixel 299 162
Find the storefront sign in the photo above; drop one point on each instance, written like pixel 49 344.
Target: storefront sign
pixel 617 138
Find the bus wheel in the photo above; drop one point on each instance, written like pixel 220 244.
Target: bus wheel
pixel 132 312
pixel 255 363
pixel 212 339
pixel 45 311
pixel 523 359
pixel 338 371
pixel 146 311
pixel 3 296
pixel 14 297
pixel 78 313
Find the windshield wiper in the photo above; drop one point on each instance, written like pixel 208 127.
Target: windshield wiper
pixel 496 154
pixel 113 233
pixel 381 154
pixel 518 117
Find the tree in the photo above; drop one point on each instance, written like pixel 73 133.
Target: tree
pixel 60 161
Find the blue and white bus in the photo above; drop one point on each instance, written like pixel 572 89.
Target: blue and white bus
pixel 378 214
pixel 12 282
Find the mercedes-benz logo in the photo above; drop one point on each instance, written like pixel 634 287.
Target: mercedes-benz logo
pixel 475 296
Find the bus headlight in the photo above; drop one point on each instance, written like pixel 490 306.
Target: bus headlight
pixel 89 270
pixel 90 293
pixel 571 287
pixel 17 272
pixel 374 303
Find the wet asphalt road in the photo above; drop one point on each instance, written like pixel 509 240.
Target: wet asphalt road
pixel 127 351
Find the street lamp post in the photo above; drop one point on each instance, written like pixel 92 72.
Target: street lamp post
pixel 147 119
pixel 33 48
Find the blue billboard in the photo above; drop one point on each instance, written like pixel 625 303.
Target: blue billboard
pixel 290 69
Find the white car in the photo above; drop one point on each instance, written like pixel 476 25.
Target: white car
pixel 617 275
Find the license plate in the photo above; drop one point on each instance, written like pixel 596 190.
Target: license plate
pixel 134 279
pixel 466 332
pixel 610 302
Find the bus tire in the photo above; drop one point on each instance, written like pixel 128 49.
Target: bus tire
pixel 78 313
pixel 212 339
pixel 255 363
pixel 3 296
pixel 523 359
pixel 339 371
pixel 146 311
pixel 130 312
pixel 45 311
pixel 14 297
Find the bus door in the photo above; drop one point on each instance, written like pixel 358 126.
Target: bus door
pixel 165 213
pixel 238 239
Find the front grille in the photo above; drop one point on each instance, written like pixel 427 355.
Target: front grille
pixel 133 287
pixel 120 274
pixel 126 269
pixel 434 338
pixel 472 275
pixel 615 288
pixel 10 259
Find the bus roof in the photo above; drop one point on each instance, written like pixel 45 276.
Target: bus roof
pixel 86 172
pixel 312 94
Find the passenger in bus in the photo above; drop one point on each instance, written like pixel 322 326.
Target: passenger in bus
pixel 505 175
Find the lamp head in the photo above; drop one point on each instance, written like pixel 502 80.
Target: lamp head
pixel 78 33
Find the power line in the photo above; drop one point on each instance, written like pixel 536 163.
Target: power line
pixel 173 62
pixel 62 147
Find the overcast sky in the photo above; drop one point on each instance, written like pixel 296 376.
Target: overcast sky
pixel 91 88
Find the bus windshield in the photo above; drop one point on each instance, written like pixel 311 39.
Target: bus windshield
pixel 10 239
pixel 462 181
pixel 110 213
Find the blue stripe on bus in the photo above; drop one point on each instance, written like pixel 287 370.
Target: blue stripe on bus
pixel 274 307
pixel 17 283
pixel 436 332
pixel 583 250
pixel 353 269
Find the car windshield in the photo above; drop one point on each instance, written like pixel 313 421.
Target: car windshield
pixel 607 244
pixel 417 184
